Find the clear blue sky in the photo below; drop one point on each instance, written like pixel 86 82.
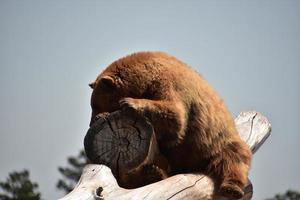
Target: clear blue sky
pixel 50 50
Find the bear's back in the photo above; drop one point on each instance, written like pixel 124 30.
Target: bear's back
pixel 160 66
pixel 174 77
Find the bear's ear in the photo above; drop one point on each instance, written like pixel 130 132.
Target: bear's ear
pixel 92 85
pixel 107 82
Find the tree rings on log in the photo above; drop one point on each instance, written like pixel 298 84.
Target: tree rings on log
pixel 123 141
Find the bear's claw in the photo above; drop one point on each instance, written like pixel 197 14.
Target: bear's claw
pixel 129 104
pixel 153 173
pixel 231 191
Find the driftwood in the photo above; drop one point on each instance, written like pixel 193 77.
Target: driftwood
pixel 98 182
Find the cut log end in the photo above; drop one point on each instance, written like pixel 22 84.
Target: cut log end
pixel 121 141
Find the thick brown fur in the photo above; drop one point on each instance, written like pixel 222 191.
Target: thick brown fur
pixel 195 131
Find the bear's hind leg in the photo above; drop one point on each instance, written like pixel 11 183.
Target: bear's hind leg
pixel 230 168
pixel 234 180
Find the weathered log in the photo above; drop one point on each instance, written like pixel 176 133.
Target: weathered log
pixel 126 143
pixel 97 181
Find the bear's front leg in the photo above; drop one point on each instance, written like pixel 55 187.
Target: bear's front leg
pixel 145 175
pixel 153 174
pixel 167 117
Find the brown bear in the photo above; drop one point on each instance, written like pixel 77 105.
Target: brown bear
pixel 195 131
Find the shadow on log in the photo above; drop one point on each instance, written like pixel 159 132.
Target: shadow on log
pixel 98 182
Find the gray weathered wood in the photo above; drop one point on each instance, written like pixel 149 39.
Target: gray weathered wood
pixel 97 181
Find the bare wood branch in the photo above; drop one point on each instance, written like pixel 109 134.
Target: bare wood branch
pixel 97 181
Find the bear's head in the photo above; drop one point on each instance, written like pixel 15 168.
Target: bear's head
pixel 110 88
pixel 132 76
pixel 105 96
